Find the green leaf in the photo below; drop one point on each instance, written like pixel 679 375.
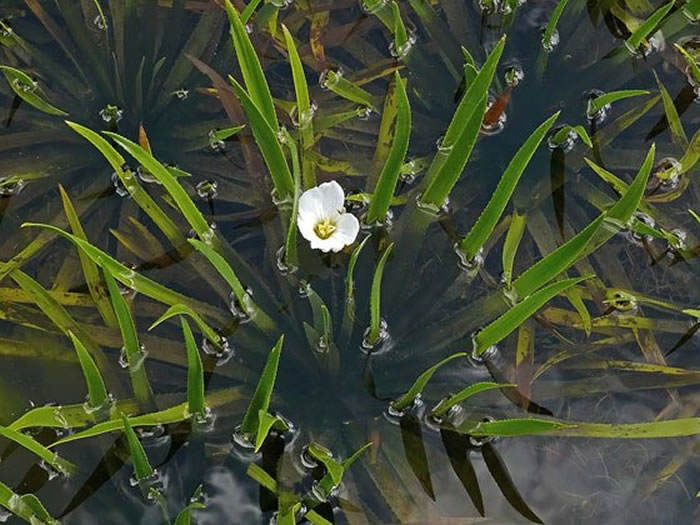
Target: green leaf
pixel 375 298
pixel 97 392
pixel 263 392
pixel 518 314
pixel 251 69
pixel 245 301
pixel 341 86
pixel 268 141
pixel 90 271
pixel 461 134
pixel 421 381
pixel 57 313
pixel 389 176
pixel 32 445
pixel 647 27
pixel 132 185
pixel 184 517
pixel 674 121
pixel 482 230
pixel 400 33
pixel 188 208
pixel 528 426
pixel 126 275
pixel 510 245
pixel 134 353
pixel 334 470
pixel 29 91
pixel 553 21
pixel 26 506
pixel 195 373
pixel 267 423
pixel 183 310
pixel 303 108
pixel 598 103
pixel 444 406
pixel 691 61
pixel 556 262
pixel 142 467
pixel 623 209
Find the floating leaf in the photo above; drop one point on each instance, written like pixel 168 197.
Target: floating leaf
pixel 29 91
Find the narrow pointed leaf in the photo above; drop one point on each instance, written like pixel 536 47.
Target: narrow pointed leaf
pixel 389 176
pixel 556 262
pixel 482 230
pixel 263 391
pixel 504 325
pixel 195 372
pixel 418 386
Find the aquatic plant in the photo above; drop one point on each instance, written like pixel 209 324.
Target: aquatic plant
pixel 311 347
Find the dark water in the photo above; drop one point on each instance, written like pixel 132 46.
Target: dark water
pixel 409 475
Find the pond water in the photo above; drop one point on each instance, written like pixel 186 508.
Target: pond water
pixel 618 349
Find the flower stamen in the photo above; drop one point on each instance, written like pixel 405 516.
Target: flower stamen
pixel 325 228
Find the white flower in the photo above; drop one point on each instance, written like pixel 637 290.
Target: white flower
pixel 322 219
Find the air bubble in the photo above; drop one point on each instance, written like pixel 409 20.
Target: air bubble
pixel 479 442
pixel 281 4
pixel 25 87
pixel 404 49
pixel 364 112
pixel 667 174
pixel 182 93
pixel 207 236
pixel 514 74
pixel 488 7
pixel 329 78
pixel 10 186
pixel 470 266
pixel 146 176
pixel 431 208
pixel 100 412
pixel 207 189
pixel 222 351
pixel 566 143
pixel 373 6
pixel 306 118
pixel 596 116
pixel 242 312
pixel 552 42
pixel 282 265
pixel 5 32
pixel 138 362
pixel 393 415
pixel 382 342
pixel 99 23
pixel 151 486
pixel 215 143
pixel 304 289
pixel 443 148
pixel 480 358
pixel 242 440
pixel 111 114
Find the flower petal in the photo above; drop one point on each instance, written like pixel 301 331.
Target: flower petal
pixel 332 197
pixel 311 205
pixel 347 229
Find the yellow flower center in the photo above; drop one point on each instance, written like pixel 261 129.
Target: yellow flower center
pixel 324 229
